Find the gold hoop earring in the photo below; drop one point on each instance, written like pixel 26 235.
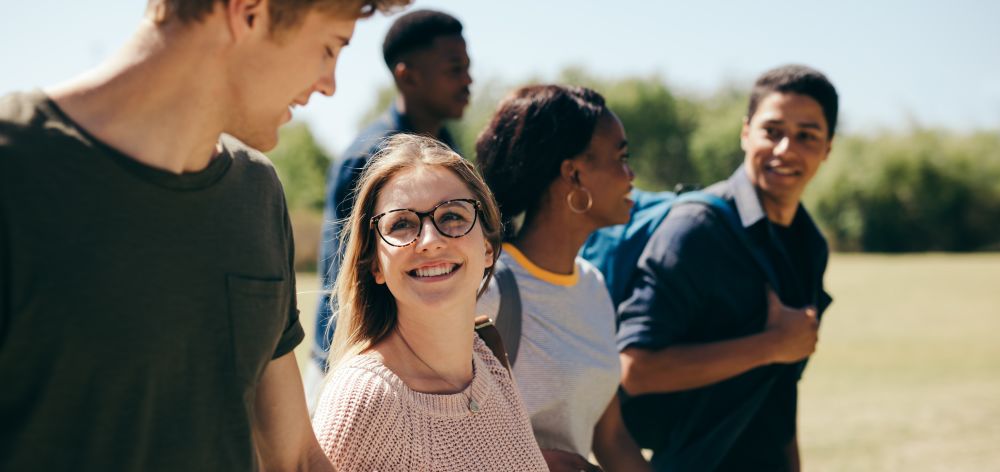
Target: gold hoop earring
pixel 569 200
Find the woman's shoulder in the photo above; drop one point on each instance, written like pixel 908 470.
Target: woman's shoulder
pixel 587 269
pixel 361 385
pixel 359 413
pixel 590 275
pixel 489 360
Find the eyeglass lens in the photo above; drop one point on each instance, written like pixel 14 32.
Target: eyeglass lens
pixel 454 218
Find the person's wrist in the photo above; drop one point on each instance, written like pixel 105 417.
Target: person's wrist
pixel 768 348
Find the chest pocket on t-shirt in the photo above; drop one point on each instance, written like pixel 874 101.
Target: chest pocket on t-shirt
pixel 258 310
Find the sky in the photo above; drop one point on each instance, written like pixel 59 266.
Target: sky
pixel 895 63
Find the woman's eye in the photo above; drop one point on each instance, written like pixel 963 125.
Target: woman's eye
pixel 451 216
pixel 401 224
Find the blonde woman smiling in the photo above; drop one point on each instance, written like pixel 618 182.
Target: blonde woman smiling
pixel 411 386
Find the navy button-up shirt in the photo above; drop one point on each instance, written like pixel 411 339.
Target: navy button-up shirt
pixel 698 283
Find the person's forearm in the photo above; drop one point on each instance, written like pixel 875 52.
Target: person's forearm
pixel 316 461
pixel 613 446
pixel 684 367
pixel 311 461
pixel 282 430
pixel 623 456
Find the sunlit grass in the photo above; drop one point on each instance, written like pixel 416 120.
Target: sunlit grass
pixel 907 373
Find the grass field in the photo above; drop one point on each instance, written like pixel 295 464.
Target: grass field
pixel 907 373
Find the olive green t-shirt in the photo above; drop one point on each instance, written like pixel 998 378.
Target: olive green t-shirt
pixel 138 308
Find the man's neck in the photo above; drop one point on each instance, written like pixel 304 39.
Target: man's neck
pixel 422 121
pixel 779 211
pixel 156 104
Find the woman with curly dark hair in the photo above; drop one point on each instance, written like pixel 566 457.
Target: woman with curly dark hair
pixel 556 159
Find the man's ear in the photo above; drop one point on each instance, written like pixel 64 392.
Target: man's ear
pixel 744 133
pixel 245 17
pixel 407 78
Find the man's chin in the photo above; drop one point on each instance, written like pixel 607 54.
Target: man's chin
pixel 780 192
pixel 458 111
pixel 262 142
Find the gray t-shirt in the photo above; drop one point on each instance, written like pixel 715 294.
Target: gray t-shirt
pixel 138 308
pixel 567 367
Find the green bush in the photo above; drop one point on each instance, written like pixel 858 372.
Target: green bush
pixel 715 143
pixel 923 190
pixel 301 166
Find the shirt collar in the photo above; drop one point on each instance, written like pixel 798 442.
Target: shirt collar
pixel 748 203
pixel 745 195
pixel 400 122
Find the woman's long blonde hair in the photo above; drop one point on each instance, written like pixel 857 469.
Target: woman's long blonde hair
pixel 365 310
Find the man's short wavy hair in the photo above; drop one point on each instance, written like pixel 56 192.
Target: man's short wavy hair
pixel 284 14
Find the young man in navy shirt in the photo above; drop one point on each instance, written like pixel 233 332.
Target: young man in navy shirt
pixel 720 345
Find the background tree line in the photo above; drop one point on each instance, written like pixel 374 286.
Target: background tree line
pixel 919 189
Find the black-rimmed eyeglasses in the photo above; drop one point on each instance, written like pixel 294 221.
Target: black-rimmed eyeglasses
pixel 452 218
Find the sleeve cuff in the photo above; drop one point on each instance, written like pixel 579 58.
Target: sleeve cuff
pixel 292 336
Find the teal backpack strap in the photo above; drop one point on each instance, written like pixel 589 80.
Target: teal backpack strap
pixel 509 314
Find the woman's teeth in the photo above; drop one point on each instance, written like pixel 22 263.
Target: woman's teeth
pixel 435 271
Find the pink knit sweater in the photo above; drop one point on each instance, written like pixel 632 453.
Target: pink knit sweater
pixel 368 419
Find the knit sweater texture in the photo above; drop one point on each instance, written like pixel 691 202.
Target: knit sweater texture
pixel 368 419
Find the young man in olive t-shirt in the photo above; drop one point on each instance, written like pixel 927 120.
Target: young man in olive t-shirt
pixel 147 302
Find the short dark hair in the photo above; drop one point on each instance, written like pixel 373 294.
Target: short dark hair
pixel 415 31
pixel 802 80
pixel 533 131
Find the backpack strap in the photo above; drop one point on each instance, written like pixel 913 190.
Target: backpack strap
pixel 733 222
pixel 509 315
pixel 488 332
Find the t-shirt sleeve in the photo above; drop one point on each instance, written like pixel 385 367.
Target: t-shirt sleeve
pixel 293 332
pixel 360 423
pixel 672 284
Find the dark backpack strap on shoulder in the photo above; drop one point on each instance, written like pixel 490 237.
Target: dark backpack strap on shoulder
pixel 508 320
pixel 732 220
pixel 488 332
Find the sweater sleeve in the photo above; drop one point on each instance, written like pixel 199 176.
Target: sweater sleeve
pixel 361 423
